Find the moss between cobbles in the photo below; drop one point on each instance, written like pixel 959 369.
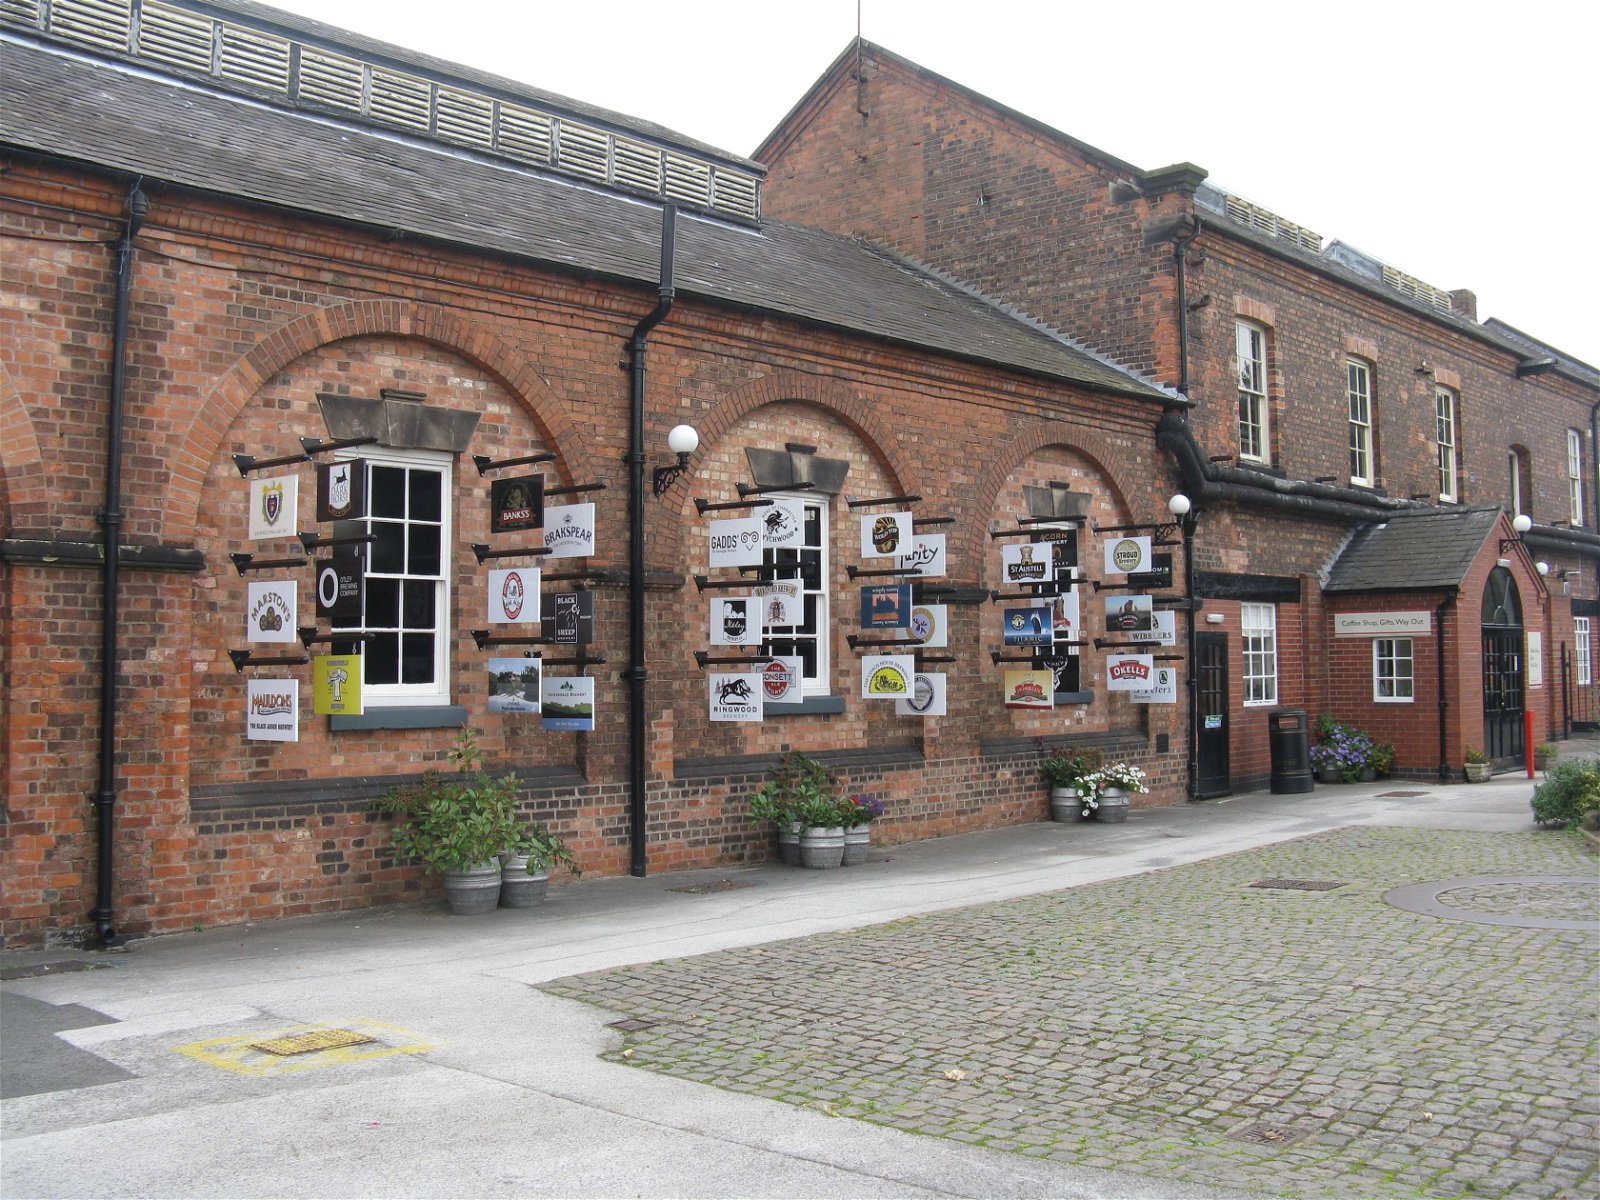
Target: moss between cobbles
pixel 1136 1024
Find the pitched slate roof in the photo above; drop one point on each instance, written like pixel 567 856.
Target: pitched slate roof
pixel 66 104
pixel 1413 551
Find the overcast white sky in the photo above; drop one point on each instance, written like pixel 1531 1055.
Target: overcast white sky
pixel 1455 141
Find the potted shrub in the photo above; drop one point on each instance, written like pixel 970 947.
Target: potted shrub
pixel 1382 760
pixel 1104 793
pixel 525 868
pixel 1062 770
pixel 858 813
pixel 1478 766
pixel 1545 755
pixel 457 824
pixel 1343 753
pixel 822 817
pixel 798 781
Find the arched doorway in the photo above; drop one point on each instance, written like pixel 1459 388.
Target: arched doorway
pixel 1503 682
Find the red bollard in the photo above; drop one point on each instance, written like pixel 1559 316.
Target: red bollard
pixel 1527 740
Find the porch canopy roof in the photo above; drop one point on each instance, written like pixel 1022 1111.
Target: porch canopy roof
pixel 1413 551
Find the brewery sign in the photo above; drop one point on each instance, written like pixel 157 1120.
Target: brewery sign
pixel 736 543
pixel 1063 669
pixel 783 525
pixel 926 557
pixel 1164 627
pixel 1065 623
pixel 272 710
pixel 1157 577
pixel 342 490
pixel 885 605
pixel 734 697
pixel 273 507
pixel 1163 688
pixel 781 604
pixel 1029 689
pixel 572 618
pixel 514 684
pixel 1127 555
pixel 1129 672
pixel 1028 563
pixel 339 590
pixel 927 697
pixel 568 703
pixel 1027 626
pixel 887 676
pixel 887 534
pixel 1130 614
pixel 783 680
pixel 514 596
pixel 735 621
pixel 569 530
pixel 271 611
pixel 930 625
pixel 516 503
pixel 336 685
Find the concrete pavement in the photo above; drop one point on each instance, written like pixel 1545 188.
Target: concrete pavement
pixel 475 1083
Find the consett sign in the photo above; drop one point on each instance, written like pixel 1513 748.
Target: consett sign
pixel 1382 624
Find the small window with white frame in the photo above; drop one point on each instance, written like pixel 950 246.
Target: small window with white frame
pixel 1250 360
pixel 1358 391
pixel 1580 637
pixel 1575 476
pixel 1394 675
pixel 406 595
pixel 1444 408
pixel 1259 626
pixel 808 564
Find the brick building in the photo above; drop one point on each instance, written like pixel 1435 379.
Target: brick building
pixel 1340 408
pixel 229 232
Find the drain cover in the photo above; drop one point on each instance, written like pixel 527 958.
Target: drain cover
pixel 1400 795
pixel 705 889
pixel 633 1025
pixel 1298 885
pixel 307 1043
pixel 1262 1134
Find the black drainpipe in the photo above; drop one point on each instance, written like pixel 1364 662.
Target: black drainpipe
pixel 105 799
pixel 638 344
pixel 1444 703
pixel 1179 246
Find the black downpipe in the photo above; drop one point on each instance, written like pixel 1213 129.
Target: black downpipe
pixel 105 800
pixel 1179 247
pixel 1444 703
pixel 638 345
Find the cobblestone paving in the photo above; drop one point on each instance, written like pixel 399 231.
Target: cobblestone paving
pixel 1550 900
pixel 1183 1025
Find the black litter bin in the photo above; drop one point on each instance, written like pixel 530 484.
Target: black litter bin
pixel 1291 750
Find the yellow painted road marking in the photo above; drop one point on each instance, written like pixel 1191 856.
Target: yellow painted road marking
pixel 244 1056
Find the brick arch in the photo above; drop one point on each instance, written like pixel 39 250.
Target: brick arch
pixel 197 445
pixel 1006 458
pixel 22 482
pixel 836 399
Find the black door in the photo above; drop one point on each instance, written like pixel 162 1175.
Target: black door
pixel 1211 717
pixel 1503 671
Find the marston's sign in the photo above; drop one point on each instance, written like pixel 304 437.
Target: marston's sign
pixel 1382 624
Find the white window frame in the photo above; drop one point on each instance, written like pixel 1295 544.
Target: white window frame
pixel 1391 684
pixel 819 684
pixel 1575 476
pixel 1445 424
pixel 1258 626
pixel 1514 461
pixel 1582 651
pixel 1255 418
pixel 1358 393
pixel 438 692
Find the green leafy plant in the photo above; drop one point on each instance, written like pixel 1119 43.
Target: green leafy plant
pixel 861 810
pixel 1065 767
pixel 802 790
pixel 545 850
pixel 1545 754
pixel 1092 786
pixel 454 822
pixel 1382 757
pixel 1570 789
pixel 1475 756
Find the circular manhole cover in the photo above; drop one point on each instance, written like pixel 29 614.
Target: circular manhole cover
pixel 1524 901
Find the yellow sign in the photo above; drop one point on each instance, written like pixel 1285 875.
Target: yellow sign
pixel 336 685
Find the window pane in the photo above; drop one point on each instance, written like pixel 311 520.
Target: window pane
pixel 424 551
pixel 419 612
pixel 382 658
pixel 388 495
pixel 417 658
pixel 388 547
pixel 427 493
pixel 383 603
